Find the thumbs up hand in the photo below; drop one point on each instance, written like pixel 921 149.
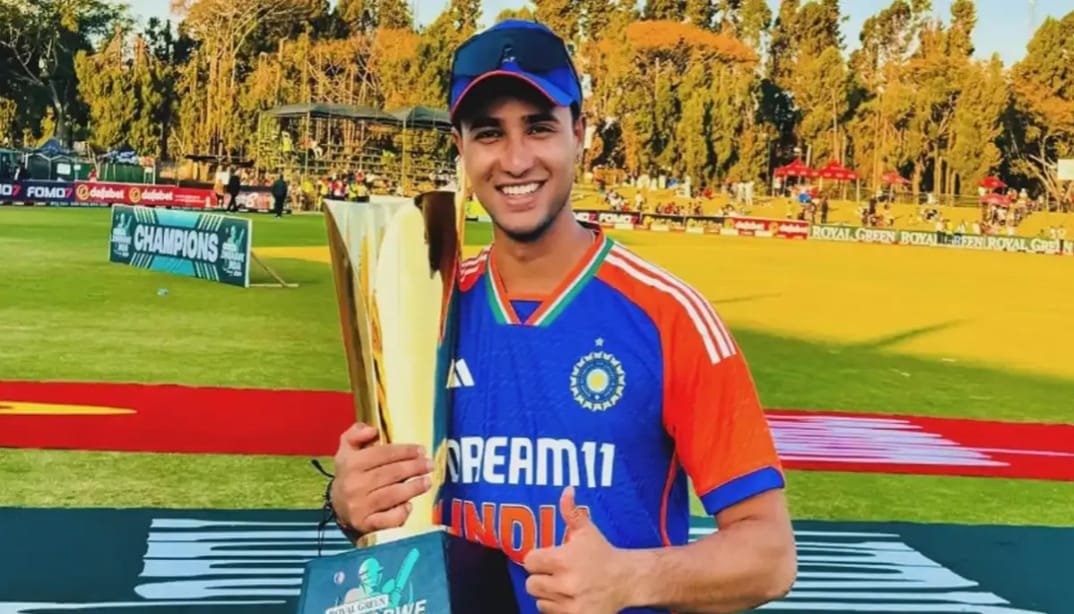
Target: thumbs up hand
pixel 584 575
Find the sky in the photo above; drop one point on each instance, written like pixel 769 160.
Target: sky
pixel 1003 26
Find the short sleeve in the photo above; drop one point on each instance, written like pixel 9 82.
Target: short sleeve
pixel 713 413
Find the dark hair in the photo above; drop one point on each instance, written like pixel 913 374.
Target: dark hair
pixel 503 86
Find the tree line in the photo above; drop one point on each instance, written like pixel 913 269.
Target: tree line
pixel 716 90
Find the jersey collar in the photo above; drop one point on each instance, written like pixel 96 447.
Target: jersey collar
pixel 550 308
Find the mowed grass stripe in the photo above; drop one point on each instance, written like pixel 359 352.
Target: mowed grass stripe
pixel 34 478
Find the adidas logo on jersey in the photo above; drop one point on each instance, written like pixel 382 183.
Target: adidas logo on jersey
pixel 459 375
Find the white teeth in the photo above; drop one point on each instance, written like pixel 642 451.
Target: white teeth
pixel 520 190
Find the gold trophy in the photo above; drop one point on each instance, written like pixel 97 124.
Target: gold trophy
pixel 395 263
pixel 395 266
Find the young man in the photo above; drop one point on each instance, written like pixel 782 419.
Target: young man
pixel 590 385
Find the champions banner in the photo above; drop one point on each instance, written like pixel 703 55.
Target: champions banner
pixel 202 245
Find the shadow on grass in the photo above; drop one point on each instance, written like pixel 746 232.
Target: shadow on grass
pixel 803 374
pixel 906 335
pixel 746 299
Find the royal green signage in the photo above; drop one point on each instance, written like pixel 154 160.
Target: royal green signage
pixel 853 233
pixel 1009 244
pixel 935 239
pixel 234 562
pixel 202 245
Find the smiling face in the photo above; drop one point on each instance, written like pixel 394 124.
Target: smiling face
pixel 519 152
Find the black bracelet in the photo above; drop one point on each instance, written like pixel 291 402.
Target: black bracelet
pixel 328 512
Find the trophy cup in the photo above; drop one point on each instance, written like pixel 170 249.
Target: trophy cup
pixel 395 264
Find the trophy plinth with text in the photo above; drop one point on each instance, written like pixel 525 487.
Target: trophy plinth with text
pixel 395 263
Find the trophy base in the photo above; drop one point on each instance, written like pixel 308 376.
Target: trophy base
pixel 429 573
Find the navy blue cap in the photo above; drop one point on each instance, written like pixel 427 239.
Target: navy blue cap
pixel 560 84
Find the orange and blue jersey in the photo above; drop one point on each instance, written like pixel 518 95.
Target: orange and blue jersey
pixel 624 383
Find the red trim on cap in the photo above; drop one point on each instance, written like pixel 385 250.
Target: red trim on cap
pixel 500 73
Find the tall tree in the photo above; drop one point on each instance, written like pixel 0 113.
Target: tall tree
pixel 693 148
pixel 885 37
pixel 105 85
pixel 934 75
pixel 359 15
pixel 230 35
pixel 395 14
pixel 671 10
pixel 520 13
pixel 702 13
pixel 598 15
pixel 8 112
pixel 801 35
pixel 823 98
pixel 605 67
pixel 367 15
pixel 667 106
pixel 783 48
pixel 777 105
pixel 394 61
pixel 754 19
pixel 817 28
pixel 1041 125
pixel 166 54
pixel 960 33
pixel 746 19
pixel 38 43
pixel 974 151
pixel 438 42
pixel 128 88
pixel 562 16
pixel 879 97
pixel 464 14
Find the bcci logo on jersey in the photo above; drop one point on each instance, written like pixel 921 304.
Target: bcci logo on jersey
pixel 597 380
pixel 380 592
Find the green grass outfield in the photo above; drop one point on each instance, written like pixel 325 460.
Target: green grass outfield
pixel 68 314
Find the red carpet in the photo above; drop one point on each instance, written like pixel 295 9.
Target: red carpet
pixel 171 418
pixel 845 441
pixel 137 418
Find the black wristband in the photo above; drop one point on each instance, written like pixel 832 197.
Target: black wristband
pixel 351 533
pixel 329 511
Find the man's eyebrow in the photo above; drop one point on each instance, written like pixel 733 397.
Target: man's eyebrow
pixel 543 116
pixel 488 121
pixel 484 121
